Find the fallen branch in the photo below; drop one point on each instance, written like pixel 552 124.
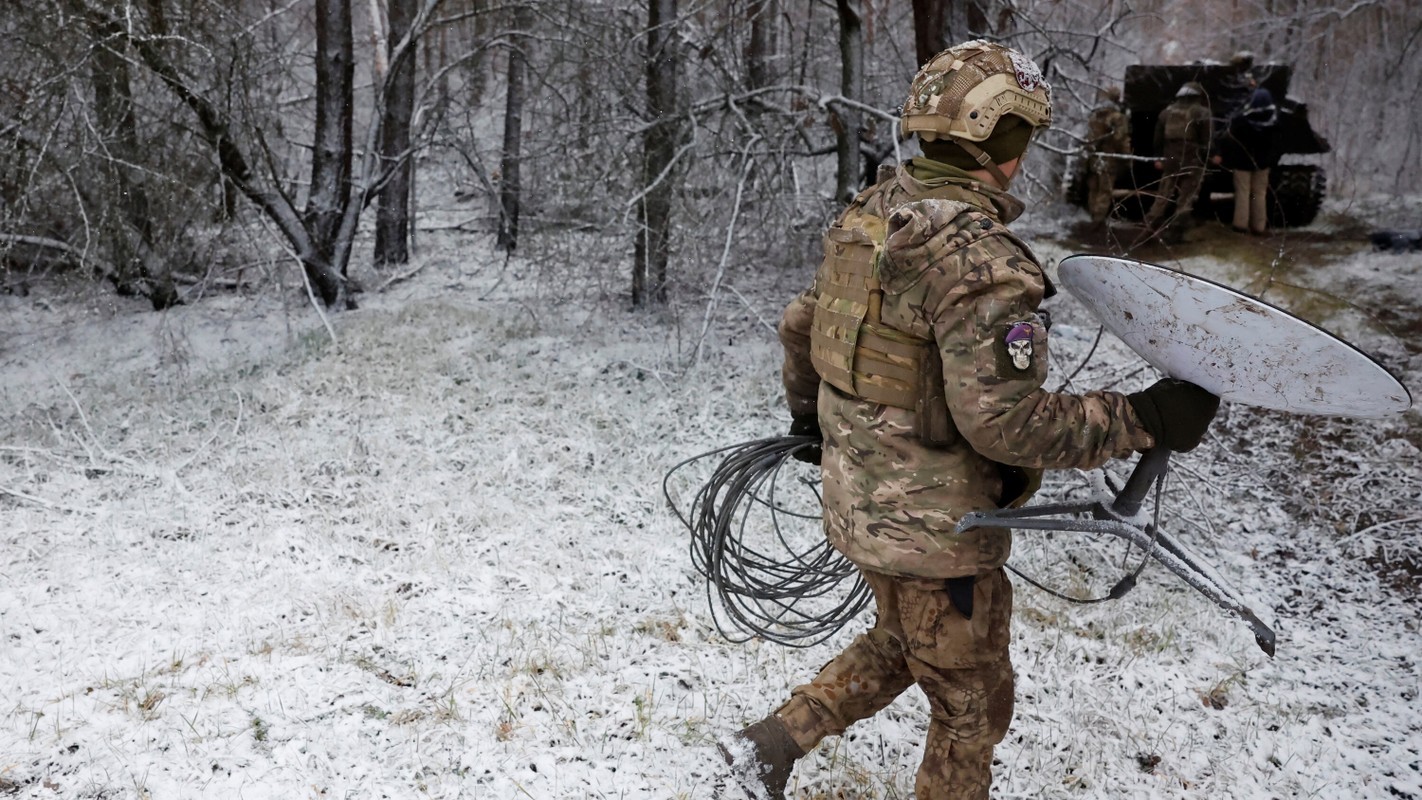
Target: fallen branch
pixel 402 276
pixel 29 498
pixel 102 267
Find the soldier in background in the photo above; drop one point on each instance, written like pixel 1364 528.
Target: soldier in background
pixel 1235 88
pixel 1107 133
pixel 920 354
pixel 1182 138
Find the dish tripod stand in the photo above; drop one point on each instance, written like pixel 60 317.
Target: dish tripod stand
pixel 1120 518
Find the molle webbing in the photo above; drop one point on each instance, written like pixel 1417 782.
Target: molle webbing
pixel 888 365
pixel 850 347
pixel 847 283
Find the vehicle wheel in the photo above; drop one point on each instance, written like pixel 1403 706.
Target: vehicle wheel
pixel 1295 194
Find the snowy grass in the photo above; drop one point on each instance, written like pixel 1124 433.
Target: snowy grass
pixel 431 558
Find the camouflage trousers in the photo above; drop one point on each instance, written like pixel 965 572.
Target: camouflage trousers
pixel 1180 184
pixel 962 665
pixel 1100 181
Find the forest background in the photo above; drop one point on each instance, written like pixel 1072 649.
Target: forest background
pixel 435 279
pixel 163 145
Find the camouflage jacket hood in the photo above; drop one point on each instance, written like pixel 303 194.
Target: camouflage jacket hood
pixel 953 274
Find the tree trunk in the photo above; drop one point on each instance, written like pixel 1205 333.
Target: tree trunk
pixel 132 234
pixel 392 218
pixel 758 47
pixel 848 121
pixel 216 129
pixel 510 187
pixel 940 24
pixel 659 146
pixel 331 158
pixel 476 67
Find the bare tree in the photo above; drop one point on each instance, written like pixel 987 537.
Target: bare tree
pixel 331 157
pixel 761 14
pixel 940 24
pixel 321 232
pixel 75 187
pixel 847 116
pixel 314 232
pixel 392 220
pixel 660 145
pixel 132 232
pixel 510 184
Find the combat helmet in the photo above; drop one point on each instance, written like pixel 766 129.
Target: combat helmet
pixel 962 92
pixel 1191 89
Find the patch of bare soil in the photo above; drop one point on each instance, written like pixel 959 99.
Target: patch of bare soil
pixel 1318 275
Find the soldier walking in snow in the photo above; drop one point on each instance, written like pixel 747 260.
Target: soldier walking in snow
pixel 919 356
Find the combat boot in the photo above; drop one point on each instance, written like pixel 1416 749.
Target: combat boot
pixel 761 756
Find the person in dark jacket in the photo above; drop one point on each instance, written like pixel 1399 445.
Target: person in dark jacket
pixel 1250 149
pixel 1236 85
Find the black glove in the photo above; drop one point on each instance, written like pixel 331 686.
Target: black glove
pixel 807 425
pixel 1175 412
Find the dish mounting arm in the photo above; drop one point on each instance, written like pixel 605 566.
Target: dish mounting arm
pixel 1119 518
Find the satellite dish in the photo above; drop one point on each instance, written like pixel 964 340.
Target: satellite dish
pixel 1239 348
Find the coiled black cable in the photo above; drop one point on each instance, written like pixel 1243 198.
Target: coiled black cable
pixel 759 591
pixel 787 593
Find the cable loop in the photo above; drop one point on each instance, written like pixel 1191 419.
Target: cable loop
pixel 760 588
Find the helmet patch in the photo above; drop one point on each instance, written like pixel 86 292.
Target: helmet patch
pixel 931 89
pixel 1029 75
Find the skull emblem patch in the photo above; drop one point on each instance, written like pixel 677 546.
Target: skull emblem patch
pixel 1019 345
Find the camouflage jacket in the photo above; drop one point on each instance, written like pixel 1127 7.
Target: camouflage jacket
pixel 952 273
pixel 1183 132
pixel 1107 130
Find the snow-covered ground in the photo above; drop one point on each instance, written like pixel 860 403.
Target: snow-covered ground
pixel 424 552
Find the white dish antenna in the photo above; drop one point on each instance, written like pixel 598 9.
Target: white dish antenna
pixel 1233 345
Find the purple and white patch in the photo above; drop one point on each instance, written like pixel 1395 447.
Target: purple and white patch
pixel 1019 345
pixel 1029 75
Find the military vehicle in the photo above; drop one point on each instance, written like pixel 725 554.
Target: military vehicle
pixel 1295 189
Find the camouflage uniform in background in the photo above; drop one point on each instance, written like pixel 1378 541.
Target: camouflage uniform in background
pixel 952 275
pixel 1107 132
pixel 1183 133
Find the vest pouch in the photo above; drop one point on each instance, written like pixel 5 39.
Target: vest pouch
pixel 846 280
pixel 896 369
pixel 935 425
